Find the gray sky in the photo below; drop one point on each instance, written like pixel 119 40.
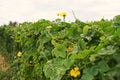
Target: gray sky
pixel 33 10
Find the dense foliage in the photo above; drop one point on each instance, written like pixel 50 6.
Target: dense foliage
pixel 59 50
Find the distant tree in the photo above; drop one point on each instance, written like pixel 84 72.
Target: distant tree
pixel 13 23
pixel 116 21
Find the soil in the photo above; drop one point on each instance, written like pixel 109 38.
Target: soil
pixel 3 64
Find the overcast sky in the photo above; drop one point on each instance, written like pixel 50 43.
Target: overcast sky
pixel 33 10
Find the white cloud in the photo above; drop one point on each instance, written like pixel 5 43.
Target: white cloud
pixel 31 10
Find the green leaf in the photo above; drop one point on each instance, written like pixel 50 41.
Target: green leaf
pixel 102 66
pixel 89 73
pixel 87 77
pixel 81 44
pixel 82 55
pixel 85 29
pixel 56 68
pixel 107 51
pixel 59 51
pixel 54 43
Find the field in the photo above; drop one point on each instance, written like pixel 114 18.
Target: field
pixel 60 50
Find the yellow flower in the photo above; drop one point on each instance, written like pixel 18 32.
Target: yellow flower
pixel 63 14
pixel 49 27
pixel 69 49
pixel 76 69
pixel 75 72
pixel 19 54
